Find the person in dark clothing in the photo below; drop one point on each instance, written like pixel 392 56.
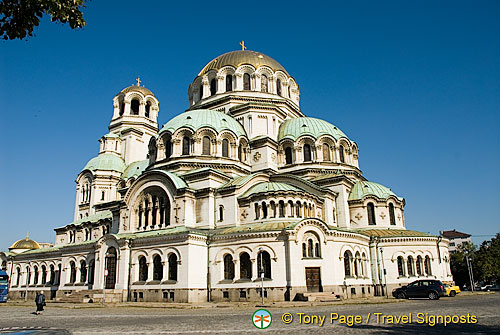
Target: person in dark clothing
pixel 40 302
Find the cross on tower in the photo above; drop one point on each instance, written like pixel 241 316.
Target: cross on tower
pixel 243 47
pixel 138 81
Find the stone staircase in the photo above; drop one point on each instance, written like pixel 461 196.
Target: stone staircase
pixel 87 296
pixel 321 296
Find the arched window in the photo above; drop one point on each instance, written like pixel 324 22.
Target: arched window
pixel 28 275
pixel 264 264
pixel 419 266
pixel 168 148
pixel 221 213
pixel 240 153
pixel 257 211
pixel 206 145
pixel 148 108
pixel 200 91
pixel 326 152
pixel 357 260
pixel 391 214
pixel 246 82
pixel 185 145
pixel 291 206
pixel 83 272
pixel 58 274
pixel 427 264
pixel 307 153
pixel 410 266
pixel 370 207
pixel 304 250
pixel 298 209
pixel 273 210
pixel 229 83
pixel 363 264
pixel 18 276
pixel 278 86
pixel 228 267
pixel 122 108
pixel 213 86
pixel 225 148
pixel 263 83
pixel 245 266
pixel 157 268
pixel 310 248
pixel 134 107
pixel 143 269
pixel 401 266
pixel 341 153
pixel 264 210
pixel 72 273
pixel 347 263
pixel 172 267
pixel 288 155
pixel 281 206
pixel 44 275
pixel 91 272
pixel 317 250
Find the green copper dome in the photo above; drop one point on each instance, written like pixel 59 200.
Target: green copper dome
pixel 295 128
pixel 363 188
pixel 135 169
pixel 108 162
pixel 201 118
pixel 269 187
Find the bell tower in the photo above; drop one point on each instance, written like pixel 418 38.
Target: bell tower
pixel 135 114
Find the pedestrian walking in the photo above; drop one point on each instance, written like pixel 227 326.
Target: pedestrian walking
pixel 40 302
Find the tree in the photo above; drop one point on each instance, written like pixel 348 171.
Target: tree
pixel 488 260
pixel 458 264
pixel 18 18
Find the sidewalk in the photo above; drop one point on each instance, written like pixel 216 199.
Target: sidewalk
pixel 206 305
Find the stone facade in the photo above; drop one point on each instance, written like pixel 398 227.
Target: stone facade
pixel 241 190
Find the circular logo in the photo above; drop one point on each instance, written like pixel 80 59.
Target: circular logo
pixel 262 319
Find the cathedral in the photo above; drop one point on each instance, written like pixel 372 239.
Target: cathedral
pixel 240 196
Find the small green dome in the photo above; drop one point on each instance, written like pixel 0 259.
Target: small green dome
pixel 201 118
pixel 135 169
pixel 269 187
pixel 363 188
pixel 108 162
pixel 295 128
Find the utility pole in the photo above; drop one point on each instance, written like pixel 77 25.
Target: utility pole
pixel 383 269
pixel 27 281
pixel 261 276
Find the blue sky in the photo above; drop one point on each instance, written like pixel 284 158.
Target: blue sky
pixel 416 85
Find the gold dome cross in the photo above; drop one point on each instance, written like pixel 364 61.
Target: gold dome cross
pixel 138 81
pixel 243 47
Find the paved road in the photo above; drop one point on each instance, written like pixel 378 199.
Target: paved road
pixel 133 320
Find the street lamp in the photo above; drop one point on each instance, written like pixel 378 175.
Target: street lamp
pixel 261 275
pixel 471 274
pixel 383 267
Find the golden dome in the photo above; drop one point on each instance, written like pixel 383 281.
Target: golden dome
pixel 25 244
pixel 241 57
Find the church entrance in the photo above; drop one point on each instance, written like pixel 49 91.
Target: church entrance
pixel 111 268
pixel 313 280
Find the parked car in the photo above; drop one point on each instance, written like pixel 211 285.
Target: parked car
pixel 432 289
pixel 451 290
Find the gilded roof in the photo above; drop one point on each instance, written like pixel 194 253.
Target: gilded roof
pixel 201 118
pixel 297 127
pixel 135 88
pixel 25 243
pixel 108 162
pixel 364 188
pixel 242 57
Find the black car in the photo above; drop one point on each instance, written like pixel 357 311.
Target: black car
pixel 432 289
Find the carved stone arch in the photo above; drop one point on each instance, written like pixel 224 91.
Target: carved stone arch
pixel 229 135
pixel 281 76
pixel 153 252
pixel 309 223
pixel 305 139
pixel 153 101
pixel 138 254
pixel 219 257
pixel 206 131
pixel 226 70
pixel 245 68
pixel 173 250
pixel 267 248
pixel 346 247
pixel 181 132
pixel 265 70
pixel 134 95
pixel 242 249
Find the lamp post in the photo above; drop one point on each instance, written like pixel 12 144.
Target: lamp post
pixel 261 275
pixel 383 269
pixel 27 281
pixel 471 275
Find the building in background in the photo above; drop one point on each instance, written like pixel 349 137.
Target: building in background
pixel 241 188
pixel 456 238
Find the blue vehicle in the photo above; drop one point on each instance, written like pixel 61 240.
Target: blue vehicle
pixel 4 286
